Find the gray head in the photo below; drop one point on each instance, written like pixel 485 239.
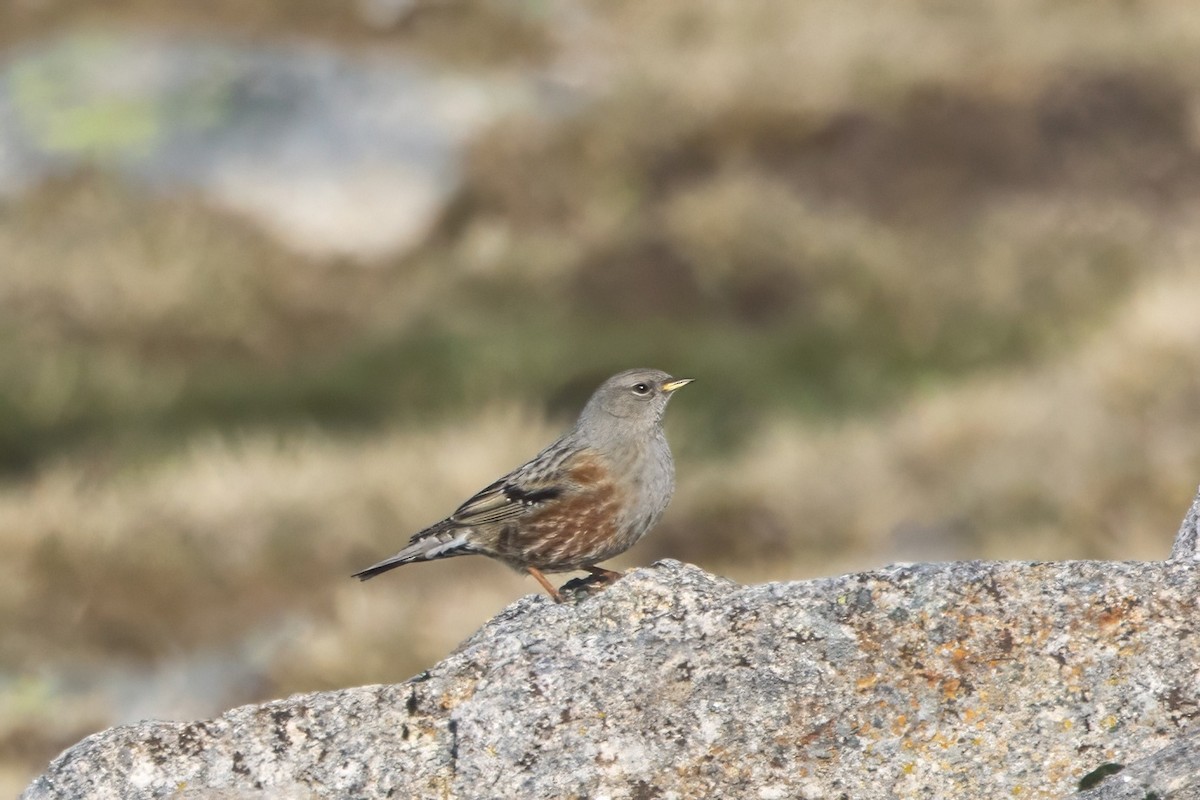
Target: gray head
pixel 633 400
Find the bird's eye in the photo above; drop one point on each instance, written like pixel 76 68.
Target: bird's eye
pixel 641 388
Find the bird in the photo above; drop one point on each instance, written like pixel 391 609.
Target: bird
pixel 587 497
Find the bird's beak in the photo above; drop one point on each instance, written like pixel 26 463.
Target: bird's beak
pixel 678 383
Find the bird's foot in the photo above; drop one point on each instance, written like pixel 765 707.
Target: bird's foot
pixel 588 585
pixel 599 579
pixel 604 575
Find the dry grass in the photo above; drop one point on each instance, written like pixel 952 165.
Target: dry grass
pixel 1089 456
pixel 231 533
pixel 823 54
pixel 463 32
pixel 123 313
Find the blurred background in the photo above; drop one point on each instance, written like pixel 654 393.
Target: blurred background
pixel 283 282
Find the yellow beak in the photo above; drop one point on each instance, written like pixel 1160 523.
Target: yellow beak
pixel 678 383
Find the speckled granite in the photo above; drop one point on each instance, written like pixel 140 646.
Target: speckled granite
pixel 961 680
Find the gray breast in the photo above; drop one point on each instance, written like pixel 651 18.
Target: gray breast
pixel 652 483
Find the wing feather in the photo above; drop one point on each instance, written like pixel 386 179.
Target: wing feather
pixel 516 495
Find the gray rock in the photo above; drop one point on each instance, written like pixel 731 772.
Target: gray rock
pixel 1171 772
pixel 961 680
pixel 1187 541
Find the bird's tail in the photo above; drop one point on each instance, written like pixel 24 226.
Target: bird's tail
pixel 432 543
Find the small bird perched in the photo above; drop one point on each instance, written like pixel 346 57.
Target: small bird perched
pixel 584 499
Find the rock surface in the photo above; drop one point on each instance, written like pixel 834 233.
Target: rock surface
pixel 1187 541
pixel 1172 772
pixel 966 680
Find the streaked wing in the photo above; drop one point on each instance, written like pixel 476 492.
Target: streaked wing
pixel 548 477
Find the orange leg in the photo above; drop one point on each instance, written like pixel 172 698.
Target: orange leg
pixel 549 587
pixel 606 575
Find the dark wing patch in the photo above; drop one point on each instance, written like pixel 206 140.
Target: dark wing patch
pixel 531 497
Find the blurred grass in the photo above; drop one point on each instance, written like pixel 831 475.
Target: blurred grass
pixel 477 33
pixel 120 340
pixel 933 268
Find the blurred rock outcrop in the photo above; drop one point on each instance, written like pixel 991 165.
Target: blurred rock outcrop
pixel 333 154
pixel 969 679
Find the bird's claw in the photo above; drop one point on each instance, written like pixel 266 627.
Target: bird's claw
pixel 590 584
